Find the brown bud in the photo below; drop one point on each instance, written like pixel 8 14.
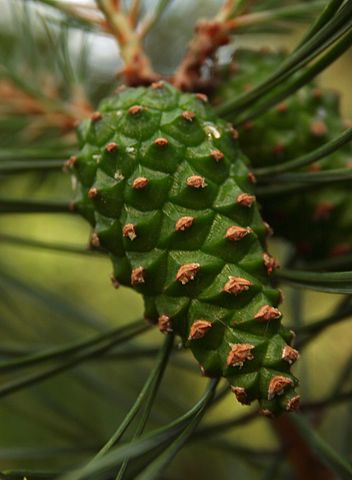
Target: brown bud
pixel 96 116
pixel 202 97
pixel 157 85
pixel 293 404
pixel 129 231
pixel 236 285
pixel 115 283
pixel 111 147
pixel 137 276
pixel 217 155
pixel 139 183
pixel 289 354
pixel 165 324
pixel 198 329
pixel 187 272
pixel 189 116
pixel 270 263
pixel 318 128
pixel 241 395
pixel 267 313
pixel 183 223
pixel 93 192
pixel 245 200
pixel 94 240
pixel 239 353
pixel 135 110
pixel 236 233
pixel 161 142
pixel 196 181
pixel 277 385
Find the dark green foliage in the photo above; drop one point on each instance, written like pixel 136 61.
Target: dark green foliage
pixel 169 195
pixel 293 128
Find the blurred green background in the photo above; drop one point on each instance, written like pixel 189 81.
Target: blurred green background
pixel 48 298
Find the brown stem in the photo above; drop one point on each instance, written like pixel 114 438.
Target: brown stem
pixel 137 69
pixel 306 465
pixel 209 36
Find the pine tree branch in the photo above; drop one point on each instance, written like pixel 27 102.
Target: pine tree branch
pixel 137 69
pixel 307 159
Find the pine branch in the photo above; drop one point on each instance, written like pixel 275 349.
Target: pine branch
pixel 34 206
pixel 307 159
pixel 137 69
pixel 124 334
pixel 336 28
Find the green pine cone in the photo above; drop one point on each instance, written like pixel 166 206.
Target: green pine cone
pixel 169 195
pixel 300 124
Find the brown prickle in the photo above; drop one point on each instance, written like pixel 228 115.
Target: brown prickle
pixel 135 109
pixel 318 128
pixel 239 353
pixel 196 181
pixel 111 147
pixel 187 272
pixel 161 141
pixel 115 283
pixel 234 133
pixel 139 183
pixel 322 211
pixel 94 240
pixel 236 285
pixel 289 354
pixel 241 395
pixel 70 163
pixel 137 276
pixel 252 178
pixel 129 231
pixel 93 192
pixel 282 107
pixel 293 404
pixel 189 116
pixel 270 263
pixel 96 116
pixel 157 85
pixel 277 385
pixel 245 200
pixel 217 155
pixel 236 233
pixel 184 223
pixel 199 329
pixel 202 97
pixel 165 324
pixel 267 313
